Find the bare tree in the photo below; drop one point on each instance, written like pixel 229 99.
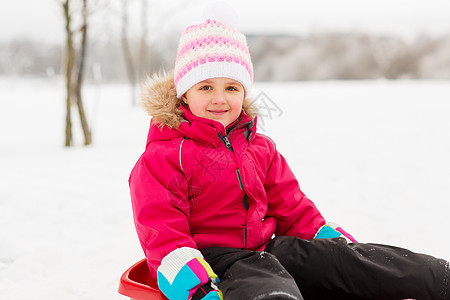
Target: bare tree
pixel 143 49
pixel 80 77
pixel 68 64
pixel 126 50
pixel 74 68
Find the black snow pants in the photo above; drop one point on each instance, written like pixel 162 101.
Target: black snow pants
pixel 292 268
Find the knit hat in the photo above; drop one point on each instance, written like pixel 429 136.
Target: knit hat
pixel 209 50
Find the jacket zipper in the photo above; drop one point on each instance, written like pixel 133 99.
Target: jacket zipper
pixel 246 206
pixel 227 143
pixel 225 139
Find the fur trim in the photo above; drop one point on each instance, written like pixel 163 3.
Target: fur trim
pixel 160 100
pixel 249 108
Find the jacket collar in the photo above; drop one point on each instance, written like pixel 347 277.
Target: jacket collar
pixel 202 129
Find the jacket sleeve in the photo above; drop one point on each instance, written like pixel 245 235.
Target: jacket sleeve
pixel 296 215
pixel 159 197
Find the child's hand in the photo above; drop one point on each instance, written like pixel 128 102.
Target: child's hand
pixel 332 230
pixel 182 272
pixel 208 292
pixel 214 295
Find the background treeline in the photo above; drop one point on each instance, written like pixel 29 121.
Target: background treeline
pixel 319 56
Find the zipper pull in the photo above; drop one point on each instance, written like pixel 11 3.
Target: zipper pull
pixel 227 142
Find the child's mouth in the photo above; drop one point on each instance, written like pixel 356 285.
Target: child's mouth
pixel 217 112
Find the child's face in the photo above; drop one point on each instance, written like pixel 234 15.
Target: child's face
pixel 218 99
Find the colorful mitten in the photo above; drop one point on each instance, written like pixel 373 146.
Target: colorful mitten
pixel 214 295
pixel 332 230
pixel 208 292
pixel 182 272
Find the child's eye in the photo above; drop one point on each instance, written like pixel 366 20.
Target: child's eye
pixel 206 88
pixel 231 88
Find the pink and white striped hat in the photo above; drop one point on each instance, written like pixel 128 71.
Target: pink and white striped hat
pixel 212 49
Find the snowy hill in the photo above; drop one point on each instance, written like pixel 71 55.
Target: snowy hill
pixel 372 155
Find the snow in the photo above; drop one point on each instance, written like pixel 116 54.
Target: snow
pixel 372 155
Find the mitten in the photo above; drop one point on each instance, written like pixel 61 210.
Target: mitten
pixel 182 272
pixel 332 230
pixel 208 291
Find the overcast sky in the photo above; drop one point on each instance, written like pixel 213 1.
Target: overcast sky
pixel 42 19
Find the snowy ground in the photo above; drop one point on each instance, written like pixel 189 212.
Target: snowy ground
pixel 373 156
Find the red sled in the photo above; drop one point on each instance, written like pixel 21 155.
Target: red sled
pixel 137 284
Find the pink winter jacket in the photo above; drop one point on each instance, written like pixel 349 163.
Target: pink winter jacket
pixel 198 185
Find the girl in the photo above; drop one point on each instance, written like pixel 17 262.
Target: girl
pixel 213 199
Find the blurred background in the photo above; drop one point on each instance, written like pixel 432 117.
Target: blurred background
pixel 355 94
pixel 317 40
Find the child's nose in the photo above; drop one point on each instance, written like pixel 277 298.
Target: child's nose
pixel 219 97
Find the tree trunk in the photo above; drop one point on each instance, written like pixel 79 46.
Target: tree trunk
pixel 79 83
pixel 68 74
pixel 143 49
pixel 131 73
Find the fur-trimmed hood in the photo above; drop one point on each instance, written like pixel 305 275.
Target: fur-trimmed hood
pixel 161 103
